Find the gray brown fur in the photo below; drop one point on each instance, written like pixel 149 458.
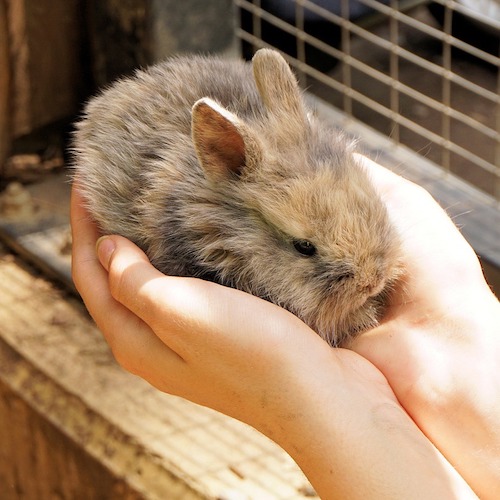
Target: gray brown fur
pixel 214 171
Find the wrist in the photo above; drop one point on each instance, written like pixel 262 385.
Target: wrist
pixel 460 409
pixel 343 421
pixel 441 364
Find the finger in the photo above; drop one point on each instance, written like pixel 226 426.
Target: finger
pixel 171 306
pixel 130 275
pixel 91 279
pixel 137 285
pixel 86 270
pixel 84 231
pixel 385 180
pixel 188 314
pixel 133 343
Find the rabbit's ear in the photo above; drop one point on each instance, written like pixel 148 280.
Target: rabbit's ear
pixel 222 142
pixel 278 87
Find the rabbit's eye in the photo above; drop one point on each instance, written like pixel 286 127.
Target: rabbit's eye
pixel 304 247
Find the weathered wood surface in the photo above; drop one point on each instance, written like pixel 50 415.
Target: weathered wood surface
pixel 44 43
pixel 73 424
pixel 4 86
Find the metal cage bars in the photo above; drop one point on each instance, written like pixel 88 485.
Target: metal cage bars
pixel 397 20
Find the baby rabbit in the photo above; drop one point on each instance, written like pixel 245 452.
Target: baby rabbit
pixel 226 176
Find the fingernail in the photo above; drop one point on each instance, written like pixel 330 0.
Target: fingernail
pixel 105 247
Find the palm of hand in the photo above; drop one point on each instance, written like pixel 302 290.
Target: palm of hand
pixel 437 354
pixel 427 345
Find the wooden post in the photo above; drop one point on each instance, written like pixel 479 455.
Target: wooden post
pixel 41 49
pixel 4 86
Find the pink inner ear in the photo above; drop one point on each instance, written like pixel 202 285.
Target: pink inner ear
pixel 219 144
pixel 228 148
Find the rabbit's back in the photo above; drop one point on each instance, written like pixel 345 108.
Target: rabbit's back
pixel 136 135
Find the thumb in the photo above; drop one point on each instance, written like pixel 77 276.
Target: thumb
pixel 165 303
pixel 129 269
pixel 117 254
pixel 105 247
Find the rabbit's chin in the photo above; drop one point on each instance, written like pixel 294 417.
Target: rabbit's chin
pixel 339 332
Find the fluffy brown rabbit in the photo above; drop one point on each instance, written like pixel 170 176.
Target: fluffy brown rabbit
pixel 225 175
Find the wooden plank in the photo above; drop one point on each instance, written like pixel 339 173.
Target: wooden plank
pixel 4 86
pixel 38 462
pixel 45 52
pixel 155 445
pixel 40 231
pixel 19 93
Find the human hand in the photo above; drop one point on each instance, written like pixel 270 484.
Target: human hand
pixel 439 344
pixel 331 409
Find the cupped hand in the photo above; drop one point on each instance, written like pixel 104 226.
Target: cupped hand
pixel 331 409
pixel 213 345
pixel 439 344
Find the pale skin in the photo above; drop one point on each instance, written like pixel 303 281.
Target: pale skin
pixel 411 410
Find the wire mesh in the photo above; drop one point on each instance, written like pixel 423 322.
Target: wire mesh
pixel 426 74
